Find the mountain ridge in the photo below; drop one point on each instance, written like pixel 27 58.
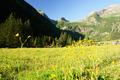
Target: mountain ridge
pixel 99 25
pixel 40 24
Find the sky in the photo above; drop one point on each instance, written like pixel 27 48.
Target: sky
pixel 72 10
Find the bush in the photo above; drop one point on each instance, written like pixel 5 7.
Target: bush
pixel 85 42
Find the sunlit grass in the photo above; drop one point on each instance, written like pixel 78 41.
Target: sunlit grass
pixel 71 63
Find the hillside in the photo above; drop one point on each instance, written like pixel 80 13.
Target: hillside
pixel 110 11
pixel 99 25
pixel 28 21
pixel 40 24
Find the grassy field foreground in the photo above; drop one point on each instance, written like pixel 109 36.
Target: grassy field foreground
pixel 72 63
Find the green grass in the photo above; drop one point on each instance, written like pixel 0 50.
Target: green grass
pixel 72 63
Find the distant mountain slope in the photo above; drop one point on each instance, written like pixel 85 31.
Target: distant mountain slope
pixel 99 25
pixel 110 11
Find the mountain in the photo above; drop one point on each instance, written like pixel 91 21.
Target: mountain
pixel 17 16
pixel 98 25
pixel 93 18
pixel 104 24
pixel 63 19
pixel 40 23
pixel 110 11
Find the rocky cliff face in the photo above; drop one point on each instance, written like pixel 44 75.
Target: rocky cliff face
pixel 110 11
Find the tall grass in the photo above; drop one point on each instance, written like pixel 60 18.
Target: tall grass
pixel 71 63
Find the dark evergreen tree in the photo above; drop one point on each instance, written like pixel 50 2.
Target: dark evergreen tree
pixel 10 28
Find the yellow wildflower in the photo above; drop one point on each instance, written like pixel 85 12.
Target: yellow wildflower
pixel 53 76
pixel 17 34
pixel 113 62
pixel 29 36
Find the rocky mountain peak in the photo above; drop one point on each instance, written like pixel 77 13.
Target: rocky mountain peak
pixel 110 10
pixel 63 19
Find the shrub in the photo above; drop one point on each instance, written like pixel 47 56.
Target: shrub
pixel 84 42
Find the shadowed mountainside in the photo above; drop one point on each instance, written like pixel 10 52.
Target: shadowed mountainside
pixel 40 24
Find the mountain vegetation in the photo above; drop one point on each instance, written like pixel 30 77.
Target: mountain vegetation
pixel 39 23
pixel 18 17
pixel 99 26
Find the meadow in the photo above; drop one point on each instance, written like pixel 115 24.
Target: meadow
pixel 68 63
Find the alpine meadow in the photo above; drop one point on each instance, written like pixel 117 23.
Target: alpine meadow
pixel 34 46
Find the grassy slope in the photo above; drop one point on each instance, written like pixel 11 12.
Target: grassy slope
pixel 93 62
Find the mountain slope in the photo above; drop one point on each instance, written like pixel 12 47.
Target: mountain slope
pixel 110 10
pixel 105 23
pixel 40 24
pixel 99 25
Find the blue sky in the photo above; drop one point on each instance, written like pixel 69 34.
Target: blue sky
pixel 70 9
